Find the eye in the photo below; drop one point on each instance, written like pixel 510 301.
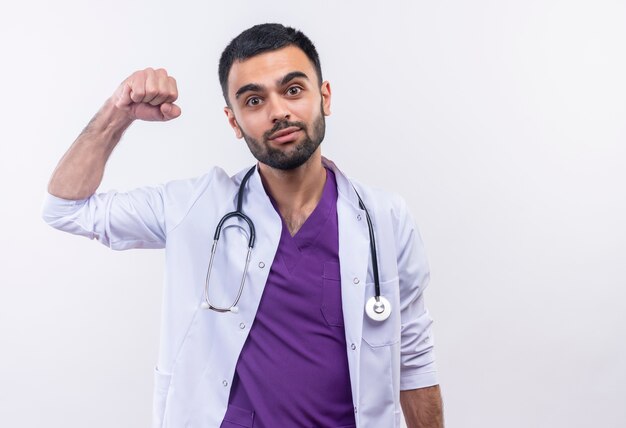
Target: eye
pixel 294 90
pixel 253 101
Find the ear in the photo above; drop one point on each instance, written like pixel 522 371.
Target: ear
pixel 326 95
pixel 232 121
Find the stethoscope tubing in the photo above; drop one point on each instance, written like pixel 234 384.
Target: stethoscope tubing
pixel 372 247
pixel 216 237
pixel 377 307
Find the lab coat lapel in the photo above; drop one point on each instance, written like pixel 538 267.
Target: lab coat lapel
pixel 268 227
pixel 354 257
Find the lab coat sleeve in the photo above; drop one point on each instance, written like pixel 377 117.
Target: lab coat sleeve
pixel 417 360
pixel 134 219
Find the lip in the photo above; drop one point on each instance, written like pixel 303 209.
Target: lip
pixel 285 135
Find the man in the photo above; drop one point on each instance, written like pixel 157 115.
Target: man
pixel 296 348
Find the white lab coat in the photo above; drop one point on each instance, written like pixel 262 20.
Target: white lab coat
pixel 199 348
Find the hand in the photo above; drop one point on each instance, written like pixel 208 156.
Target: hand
pixel 148 95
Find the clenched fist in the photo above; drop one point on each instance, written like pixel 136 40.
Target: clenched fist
pixel 148 95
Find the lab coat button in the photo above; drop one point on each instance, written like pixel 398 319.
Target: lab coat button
pixel 225 383
pixel 353 346
pixel 242 326
pixel 358 217
pixel 261 265
pixel 355 280
pixel 354 409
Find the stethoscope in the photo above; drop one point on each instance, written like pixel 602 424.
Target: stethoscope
pixel 377 307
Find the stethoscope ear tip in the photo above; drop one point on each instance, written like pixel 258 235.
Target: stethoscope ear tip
pixel 205 305
pixel 235 309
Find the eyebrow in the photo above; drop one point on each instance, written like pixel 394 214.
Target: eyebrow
pixel 290 76
pixel 250 87
pixel 255 87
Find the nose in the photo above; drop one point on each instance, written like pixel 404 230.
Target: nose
pixel 278 109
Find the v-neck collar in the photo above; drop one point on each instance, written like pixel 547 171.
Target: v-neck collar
pixel 306 236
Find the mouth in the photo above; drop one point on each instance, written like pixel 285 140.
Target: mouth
pixel 285 135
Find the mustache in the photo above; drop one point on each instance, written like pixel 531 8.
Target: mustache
pixel 282 125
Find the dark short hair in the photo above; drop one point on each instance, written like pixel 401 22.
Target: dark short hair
pixel 264 38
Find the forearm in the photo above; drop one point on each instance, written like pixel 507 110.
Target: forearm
pixel 80 170
pixel 423 407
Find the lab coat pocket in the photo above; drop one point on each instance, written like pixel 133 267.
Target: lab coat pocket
pixel 387 332
pixel 237 417
pixel 331 295
pixel 161 388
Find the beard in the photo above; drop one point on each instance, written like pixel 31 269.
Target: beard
pixel 295 157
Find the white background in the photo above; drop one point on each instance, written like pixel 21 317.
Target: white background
pixel 501 122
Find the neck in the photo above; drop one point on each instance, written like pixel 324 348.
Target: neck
pixel 296 191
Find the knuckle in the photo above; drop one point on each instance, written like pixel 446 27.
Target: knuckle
pixel 151 92
pixel 137 94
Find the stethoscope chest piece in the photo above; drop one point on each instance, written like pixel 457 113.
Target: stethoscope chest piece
pixel 378 308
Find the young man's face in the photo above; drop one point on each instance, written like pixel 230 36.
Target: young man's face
pixel 278 106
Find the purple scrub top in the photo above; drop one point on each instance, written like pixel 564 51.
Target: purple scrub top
pixel 293 369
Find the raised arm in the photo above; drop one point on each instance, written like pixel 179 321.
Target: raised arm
pixel 145 95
